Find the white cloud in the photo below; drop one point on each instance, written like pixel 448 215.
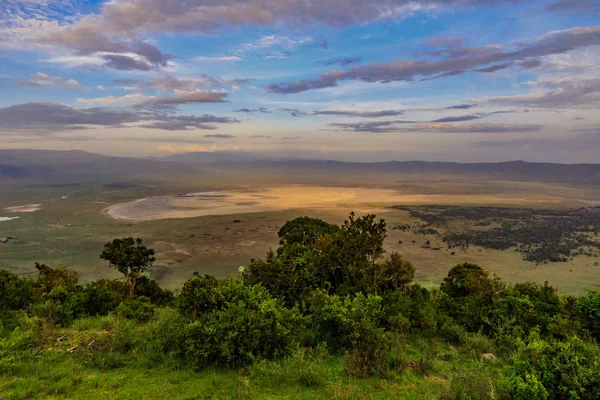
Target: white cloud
pixel 113 100
pixel 41 80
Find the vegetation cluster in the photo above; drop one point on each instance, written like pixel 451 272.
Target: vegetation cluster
pixel 325 313
pixel 540 235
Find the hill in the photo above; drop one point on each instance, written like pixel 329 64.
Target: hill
pixel 78 165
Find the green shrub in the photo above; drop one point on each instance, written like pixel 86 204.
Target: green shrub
pixel 150 289
pixel 138 309
pixel 248 325
pixel 588 312
pixel 199 296
pixel 565 369
pixel 15 293
pixel 355 324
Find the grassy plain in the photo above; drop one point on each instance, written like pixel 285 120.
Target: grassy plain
pixel 72 225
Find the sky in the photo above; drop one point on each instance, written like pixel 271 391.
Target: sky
pixel 351 80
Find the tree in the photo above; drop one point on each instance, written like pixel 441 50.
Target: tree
pixel 130 257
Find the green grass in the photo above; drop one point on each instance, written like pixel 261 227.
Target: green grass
pixel 425 369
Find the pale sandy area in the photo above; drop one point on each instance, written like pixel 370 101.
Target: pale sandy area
pixel 289 197
pixel 2 219
pixel 24 209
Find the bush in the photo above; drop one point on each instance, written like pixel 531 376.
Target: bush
pixel 355 324
pixel 15 293
pixel 564 370
pixel 148 288
pixel 138 309
pixel 588 312
pixel 247 325
pixel 103 296
pixel 199 296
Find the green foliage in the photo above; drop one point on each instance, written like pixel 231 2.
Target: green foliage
pixel 305 231
pixel 138 309
pixel 394 274
pixel 588 312
pixel 468 295
pixel 199 296
pixel 246 324
pixel 15 293
pixel 554 369
pixel 326 287
pixel 130 257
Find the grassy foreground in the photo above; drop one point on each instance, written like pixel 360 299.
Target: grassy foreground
pixel 427 369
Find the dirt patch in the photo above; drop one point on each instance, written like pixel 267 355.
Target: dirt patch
pixel 27 208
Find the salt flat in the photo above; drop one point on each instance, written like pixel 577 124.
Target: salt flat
pixel 287 197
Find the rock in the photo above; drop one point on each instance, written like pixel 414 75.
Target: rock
pixel 72 349
pixel 488 357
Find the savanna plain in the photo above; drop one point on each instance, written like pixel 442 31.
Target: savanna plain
pixel 215 319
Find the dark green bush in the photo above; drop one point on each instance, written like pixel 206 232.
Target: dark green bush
pixel 199 296
pixel 246 325
pixel 15 293
pixel 138 309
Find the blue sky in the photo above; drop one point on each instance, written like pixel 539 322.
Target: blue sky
pixel 458 80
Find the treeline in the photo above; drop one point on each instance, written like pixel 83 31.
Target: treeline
pixel 327 290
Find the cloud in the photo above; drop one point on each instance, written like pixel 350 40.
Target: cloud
pixel 363 114
pixel 457 60
pixel 294 112
pixel 445 127
pixel 369 127
pixel 473 128
pixel 560 93
pixel 171 148
pixel 585 6
pixel 219 136
pixel 253 110
pixel 270 41
pixel 187 97
pixel 460 118
pixel 41 80
pixel 126 63
pixel 222 58
pixel 460 107
pixel 49 117
pixel 183 123
pixel 171 83
pixel 134 98
pixel 260 137
pixel 343 61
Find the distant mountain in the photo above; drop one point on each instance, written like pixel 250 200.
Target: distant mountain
pixel 20 165
pixel 211 157
pixel 76 165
